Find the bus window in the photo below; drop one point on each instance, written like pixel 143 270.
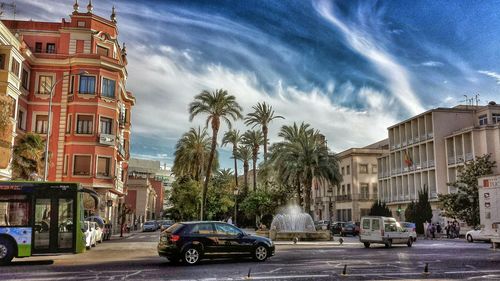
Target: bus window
pixel 65 223
pixel 14 210
pixel 42 223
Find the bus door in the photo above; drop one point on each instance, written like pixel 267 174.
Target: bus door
pixel 53 224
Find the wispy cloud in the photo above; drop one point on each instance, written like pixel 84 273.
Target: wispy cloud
pixel 361 41
pixel 491 74
pixel 432 63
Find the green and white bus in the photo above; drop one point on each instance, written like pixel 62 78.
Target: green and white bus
pixel 41 218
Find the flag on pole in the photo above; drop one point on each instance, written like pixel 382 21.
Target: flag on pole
pixel 408 160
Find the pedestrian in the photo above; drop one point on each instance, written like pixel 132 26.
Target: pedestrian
pixel 447 228
pixel 458 230
pixel 438 228
pixel 230 220
pixel 433 231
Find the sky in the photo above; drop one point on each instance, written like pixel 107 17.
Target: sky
pixel 349 68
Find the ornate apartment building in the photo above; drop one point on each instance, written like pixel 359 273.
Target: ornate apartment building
pixel 85 65
pixel 357 192
pixel 428 150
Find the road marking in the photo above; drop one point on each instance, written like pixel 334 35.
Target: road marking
pixel 472 271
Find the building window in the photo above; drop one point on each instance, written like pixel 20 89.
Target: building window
pixel 363 168
pixel 68 124
pixel 15 67
pixel 483 120
pixel 44 84
pixel 102 51
pixel 106 125
pixel 374 169
pixel 81 165
pixel 87 85
pixel 495 117
pixel 108 88
pixel 375 190
pixel 103 166
pixel 41 124
pixel 13 107
pixel 65 166
pixel 348 169
pixel 24 79
pixel 343 171
pixel 2 61
pixel 81 24
pixel 38 47
pixel 364 191
pixel 84 124
pixel 71 85
pixel 348 189
pixel 51 48
pixel 20 120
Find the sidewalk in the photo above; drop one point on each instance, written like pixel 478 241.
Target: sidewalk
pixel 125 235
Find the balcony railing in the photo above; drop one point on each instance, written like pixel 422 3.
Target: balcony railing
pixel 451 160
pixel 430 135
pixel 404 143
pixel 343 198
pixel 460 158
pixel 431 163
pixel 469 156
pixel 424 164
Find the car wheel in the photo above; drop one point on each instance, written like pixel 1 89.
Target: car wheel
pixel 367 244
pixel 388 244
pixel 469 238
pixel 410 242
pixel 6 251
pixel 260 253
pixel 191 256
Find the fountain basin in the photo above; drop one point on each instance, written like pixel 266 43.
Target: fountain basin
pixel 320 235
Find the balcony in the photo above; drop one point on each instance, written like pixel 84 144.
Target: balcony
pixel 469 156
pixel 424 164
pixel 451 160
pixel 343 198
pixel 460 158
pixel 430 135
pixel 410 141
pixel 121 151
pixel 404 143
pixel 431 163
pixel 107 139
pixel 417 139
pixel 417 166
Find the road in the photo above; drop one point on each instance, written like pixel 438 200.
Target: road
pixel 135 258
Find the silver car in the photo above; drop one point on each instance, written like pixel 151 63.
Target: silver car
pixel 149 226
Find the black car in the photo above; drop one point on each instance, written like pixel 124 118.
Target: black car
pixel 336 227
pixel 349 229
pixel 192 241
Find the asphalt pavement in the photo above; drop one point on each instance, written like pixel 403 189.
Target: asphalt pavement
pixel 135 258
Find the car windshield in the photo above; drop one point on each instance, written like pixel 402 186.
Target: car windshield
pixel 149 223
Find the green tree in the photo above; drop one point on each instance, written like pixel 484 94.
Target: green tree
pixel 191 154
pixel 304 155
pixel 258 203
pixel 185 198
pixel 244 154
pixel 262 115
pixel 28 156
pixel 411 212
pixel 253 139
pixel 217 106
pixel 464 204
pixel 233 137
pixel 220 197
pixel 423 210
pixel 380 209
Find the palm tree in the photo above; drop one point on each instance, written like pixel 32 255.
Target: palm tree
pixel 303 156
pixel 216 105
pixel 262 115
pixel 233 137
pixel 244 153
pixel 254 139
pixel 191 154
pixel 28 156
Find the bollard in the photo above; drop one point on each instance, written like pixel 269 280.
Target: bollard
pixel 248 276
pixel 341 241
pixel 426 268
pixel 344 271
pixel 295 240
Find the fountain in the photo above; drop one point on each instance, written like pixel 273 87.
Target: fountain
pixel 293 224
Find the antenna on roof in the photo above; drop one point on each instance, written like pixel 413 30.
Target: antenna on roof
pixel 476 97
pixel 12 6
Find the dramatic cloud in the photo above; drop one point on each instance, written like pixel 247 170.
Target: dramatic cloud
pixel 491 74
pixel 432 63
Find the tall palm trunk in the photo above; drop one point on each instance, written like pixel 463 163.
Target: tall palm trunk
pixel 215 130
pixel 264 132
pixel 254 164
pixel 308 186
pixel 299 193
pixel 235 166
pixel 245 175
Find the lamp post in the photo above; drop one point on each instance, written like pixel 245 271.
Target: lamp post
pixel 47 141
pixel 236 192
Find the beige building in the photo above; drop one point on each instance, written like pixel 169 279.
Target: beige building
pixel 358 190
pixel 428 150
pixel 141 197
pixel 11 60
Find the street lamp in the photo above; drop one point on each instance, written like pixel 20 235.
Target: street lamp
pixel 47 141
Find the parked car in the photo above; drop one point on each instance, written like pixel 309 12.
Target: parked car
pixel 99 227
pixel 166 224
pixel 477 235
pixel 411 228
pixel 322 225
pixel 149 226
pixel 383 230
pixel 89 236
pixel 96 232
pixel 349 228
pixel 192 241
pixel 336 227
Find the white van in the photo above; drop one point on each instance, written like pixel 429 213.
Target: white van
pixel 383 230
